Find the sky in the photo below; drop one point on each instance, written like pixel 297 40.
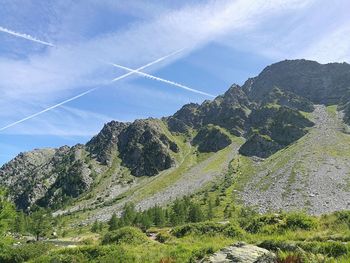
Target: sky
pixel 56 58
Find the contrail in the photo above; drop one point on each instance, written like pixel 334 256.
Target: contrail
pixel 25 36
pixel 88 91
pixel 137 71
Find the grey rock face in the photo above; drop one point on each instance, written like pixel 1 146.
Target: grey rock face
pixel 228 111
pixel 145 149
pixel 288 99
pixel 242 253
pixel 260 146
pixel 105 143
pixel 273 128
pixel 320 83
pixel 211 139
pixel 46 176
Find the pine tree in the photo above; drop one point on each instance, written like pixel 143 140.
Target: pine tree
pixel 145 220
pixel 159 217
pixel 129 214
pixel 210 209
pixel 228 211
pixel 20 223
pixel 217 201
pixel 94 227
pixel 113 223
pixel 40 223
pixel 100 227
pixel 7 212
pixel 195 213
pixel 178 213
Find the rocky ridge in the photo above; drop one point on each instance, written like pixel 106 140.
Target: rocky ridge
pixel 271 111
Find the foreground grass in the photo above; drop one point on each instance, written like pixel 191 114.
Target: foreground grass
pixel 293 236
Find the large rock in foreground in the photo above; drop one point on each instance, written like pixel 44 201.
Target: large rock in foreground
pixel 242 253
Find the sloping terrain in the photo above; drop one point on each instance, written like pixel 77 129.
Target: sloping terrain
pixel 283 133
pixel 312 175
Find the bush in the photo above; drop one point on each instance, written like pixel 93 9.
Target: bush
pixel 163 237
pixel 331 249
pixel 343 217
pixel 24 252
pixel 299 221
pixel 79 254
pixel 129 235
pixel 272 223
pixel 208 228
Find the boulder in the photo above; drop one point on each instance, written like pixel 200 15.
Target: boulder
pixel 242 253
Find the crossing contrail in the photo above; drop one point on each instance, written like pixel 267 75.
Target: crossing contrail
pixel 88 91
pixel 137 71
pixel 25 36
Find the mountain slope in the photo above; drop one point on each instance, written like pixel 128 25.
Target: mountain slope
pixel 312 174
pixel 289 151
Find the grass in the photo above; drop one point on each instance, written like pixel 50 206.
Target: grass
pixel 332 110
pixel 219 159
pixel 315 239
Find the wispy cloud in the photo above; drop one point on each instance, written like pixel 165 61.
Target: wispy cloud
pixel 44 78
pixel 163 80
pixel 87 92
pixel 25 36
pixel 63 122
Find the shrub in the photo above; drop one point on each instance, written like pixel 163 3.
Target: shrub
pixel 272 223
pixel 129 235
pixel 332 249
pixel 163 237
pixel 208 228
pixel 299 221
pixel 24 252
pixel 343 217
pixel 105 254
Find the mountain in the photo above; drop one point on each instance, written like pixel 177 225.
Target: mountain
pixel 282 137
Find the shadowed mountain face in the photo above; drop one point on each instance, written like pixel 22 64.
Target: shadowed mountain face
pixel 321 84
pixel 271 112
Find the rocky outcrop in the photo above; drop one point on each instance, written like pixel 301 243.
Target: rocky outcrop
pixel 319 83
pixel 211 139
pixel 105 143
pixel 229 111
pixel 271 128
pixel 242 253
pixel 259 145
pixel 287 99
pixel 145 149
pixel 47 177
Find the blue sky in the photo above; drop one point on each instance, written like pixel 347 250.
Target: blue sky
pixel 224 42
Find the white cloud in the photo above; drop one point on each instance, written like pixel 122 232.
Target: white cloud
pixel 63 122
pixel 74 66
pixel 25 36
pixel 331 47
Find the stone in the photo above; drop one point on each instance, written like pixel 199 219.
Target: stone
pixel 241 253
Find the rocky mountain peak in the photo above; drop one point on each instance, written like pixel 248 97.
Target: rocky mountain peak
pixel 320 83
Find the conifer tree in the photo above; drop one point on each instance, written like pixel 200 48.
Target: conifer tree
pixel 94 227
pixel 40 223
pixel 7 212
pixel 178 213
pixel 159 216
pixel 113 223
pixel 20 223
pixel 195 213
pixel 210 209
